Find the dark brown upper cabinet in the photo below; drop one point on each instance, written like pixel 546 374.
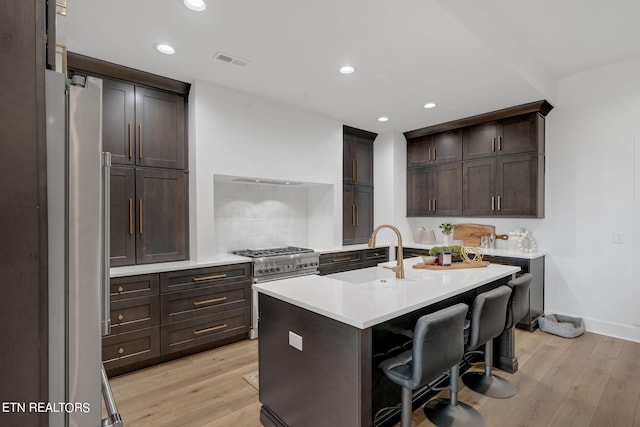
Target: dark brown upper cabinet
pixel 438 148
pixel 435 190
pixel 512 135
pixel 357 203
pixel 511 186
pixel 357 165
pixel 123 219
pixel 142 126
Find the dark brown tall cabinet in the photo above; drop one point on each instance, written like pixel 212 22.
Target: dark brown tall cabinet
pixel 357 200
pixel 144 129
pixel 486 165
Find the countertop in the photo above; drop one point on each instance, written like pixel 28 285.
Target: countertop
pixel 221 259
pixel 494 252
pixel 367 297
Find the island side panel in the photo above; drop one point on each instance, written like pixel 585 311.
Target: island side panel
pixel 327 383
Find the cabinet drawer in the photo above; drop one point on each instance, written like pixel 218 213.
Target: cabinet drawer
pixel 123 349
pixel 205 330
pixel 411 252
pixel 202 277
pixel 177 306
pixel 373 257
pixel 134 286
pixel 134 313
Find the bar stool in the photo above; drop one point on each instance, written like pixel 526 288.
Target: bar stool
pixel 488 319
pixel 438 344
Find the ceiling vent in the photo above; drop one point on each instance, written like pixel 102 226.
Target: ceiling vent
pixel 230 59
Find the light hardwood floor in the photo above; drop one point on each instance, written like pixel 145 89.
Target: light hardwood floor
pixel 592 380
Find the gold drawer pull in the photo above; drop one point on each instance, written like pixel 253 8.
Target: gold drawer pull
pixel 209 301
pixel 214 328
pixel 216 276
pixel 348 258
pixel 412 254
pixel 121 317
pixel 120 289
pixel 120 350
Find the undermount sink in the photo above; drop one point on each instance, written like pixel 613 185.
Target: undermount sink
pixel 367 275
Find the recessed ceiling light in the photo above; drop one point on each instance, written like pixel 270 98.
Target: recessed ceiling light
pixel 197 5
pixel 347 69
pixel 383 119
pixel 164 48
pixel 430 105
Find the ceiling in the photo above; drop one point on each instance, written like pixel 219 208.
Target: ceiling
pixel 468 56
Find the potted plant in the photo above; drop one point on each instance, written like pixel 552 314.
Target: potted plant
pixel 447 229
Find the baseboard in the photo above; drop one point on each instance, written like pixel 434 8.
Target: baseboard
pixel 625 332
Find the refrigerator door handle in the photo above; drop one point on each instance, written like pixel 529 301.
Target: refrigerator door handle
pixel 113 416
pixel 106 239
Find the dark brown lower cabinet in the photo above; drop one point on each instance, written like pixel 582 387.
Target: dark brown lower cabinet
pixel 505 186
pixel 161 316
pixel 435 190
pixel 337 262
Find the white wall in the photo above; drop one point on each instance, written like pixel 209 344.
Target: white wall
pixel 234 133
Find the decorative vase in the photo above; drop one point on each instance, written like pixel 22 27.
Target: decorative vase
pixel 445 239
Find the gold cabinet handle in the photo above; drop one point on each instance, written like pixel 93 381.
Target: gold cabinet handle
pixel 209 301
pixel 130 144
pixel 493 144
pixel 140 140
pixel 434 154
pixel 348 258
pixel 357 215
pixel 216 276
pixel 130 217
pixel 429 205
pixel 120 350
pixel 140 216
pixel 357 171
pixel 120 289
pixel 121 317
pixel 213 328
pixel 353 215
pixel 435 205
pixel 412 254
pixel 354 176
pixel 499 203
pixel 429 154
pixel 493 203
pixel 500 144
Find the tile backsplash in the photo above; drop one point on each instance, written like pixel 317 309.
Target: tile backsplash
pixel 259 216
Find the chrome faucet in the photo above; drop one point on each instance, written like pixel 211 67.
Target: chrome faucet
pixel 399 268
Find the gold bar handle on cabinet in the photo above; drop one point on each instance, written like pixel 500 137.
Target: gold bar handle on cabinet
pixel 434 154
pixel 357 171
pixel 429 154
pixel 499 203
pixel 348 258
pixel 435 204
pixel 354 173
pixel 130 144
pixel 353 215
pixel 500 144
pixel 429 205
pixel 213 328
pixel 493 144
pixel 130 217
pixel 493 203
pixel 216 276
pixel 357 215
pixel 414 255
pixel 140 140
pixel 209 301
pixel 140 216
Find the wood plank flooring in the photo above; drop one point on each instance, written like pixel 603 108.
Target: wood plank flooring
pixel 592 380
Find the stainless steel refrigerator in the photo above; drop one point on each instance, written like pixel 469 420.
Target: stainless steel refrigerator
pixel 78 175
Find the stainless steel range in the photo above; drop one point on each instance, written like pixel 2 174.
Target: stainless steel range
pixel 277 263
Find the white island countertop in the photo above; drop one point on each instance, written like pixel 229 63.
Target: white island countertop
pixel 364 298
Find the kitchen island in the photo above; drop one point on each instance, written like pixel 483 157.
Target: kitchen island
pixel 320 335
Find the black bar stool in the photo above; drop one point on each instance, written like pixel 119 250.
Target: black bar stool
pixel 488 320
pixel 438 344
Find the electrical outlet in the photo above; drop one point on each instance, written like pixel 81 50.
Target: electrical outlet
pixel 617 237
pixel 295 340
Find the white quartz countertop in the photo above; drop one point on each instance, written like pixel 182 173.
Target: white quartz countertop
pixel 221 259
pixel 364 298
pixel 495 252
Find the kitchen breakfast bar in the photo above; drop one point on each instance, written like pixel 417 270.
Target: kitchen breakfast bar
pixel 321 338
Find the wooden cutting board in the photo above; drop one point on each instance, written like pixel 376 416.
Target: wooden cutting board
pixel 453 266
pixel 471 233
